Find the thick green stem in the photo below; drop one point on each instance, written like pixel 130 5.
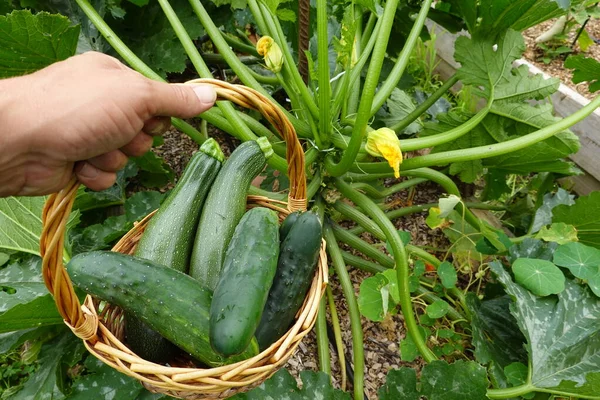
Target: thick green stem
pixel 355 325
pixel 424 106
pixel 361 219
pixel 337 333
pixel 400 258
pixel 368 92
pixel 481 152
pixel 512 392
pixel 232 60
pixel 313 186
pixel 378 194
pixel 441 138
pixel 385 90
pixel 369 28
pixel 365 248
pixel 236 44
pixel 322 339
pixel 323 73
pixel 264 79
pixel 362 264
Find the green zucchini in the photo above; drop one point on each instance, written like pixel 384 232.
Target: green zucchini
pixel 298 258
pixel 247 275
pixel 168 240
pixel 224 207
pixel 170 302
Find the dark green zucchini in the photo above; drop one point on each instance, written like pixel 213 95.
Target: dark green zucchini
pixel 298 258
pixel 169 237
pixel 247 275
pixel 224 207
pixel 170 302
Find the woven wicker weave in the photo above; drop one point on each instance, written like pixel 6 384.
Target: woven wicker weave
pixel 100 325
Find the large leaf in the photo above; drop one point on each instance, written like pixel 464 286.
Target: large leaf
pixel 586 70
pixel 562 333
pixel 488 18
pixel 439 381
pixel 543 215
pixel 316 385
pixel 104 382
pixel 496 336
pixel 541 277
pixel 49 378
pixel 583 262
pixel 21 223
pixel 30 42
pixel 584 215
pixel 24 299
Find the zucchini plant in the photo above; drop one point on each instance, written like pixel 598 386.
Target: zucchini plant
pixel 368 135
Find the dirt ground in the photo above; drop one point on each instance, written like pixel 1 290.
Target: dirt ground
pixel 555 68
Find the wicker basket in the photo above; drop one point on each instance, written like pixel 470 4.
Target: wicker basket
pixel 100 325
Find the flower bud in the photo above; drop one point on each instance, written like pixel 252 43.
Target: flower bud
pixel 271 51
pixel 384 143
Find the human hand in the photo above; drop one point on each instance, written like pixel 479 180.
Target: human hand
pixel 84 116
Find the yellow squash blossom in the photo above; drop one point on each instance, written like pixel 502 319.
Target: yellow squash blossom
pixel 384 143
pixel 270 50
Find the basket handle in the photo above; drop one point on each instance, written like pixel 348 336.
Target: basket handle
pixel 57 208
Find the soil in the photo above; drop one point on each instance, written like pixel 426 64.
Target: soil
pixel 534 53
pixel 381 339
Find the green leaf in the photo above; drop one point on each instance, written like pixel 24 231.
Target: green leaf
pixel 583 262
pixel 543 215
pixel 516 373
pixel 487 18
pixel 458 381
pixel 378 296
pixel 11 340
pixel 532 248
pixel 21 222
pixel 47 380
pixel 496 336
pixel 433 219
pixel 4 258
pixel 542 277
pixel 31 42
pixel 87 199
pixel 316 385
pixel 396 108
pixel 487 62
pixel 447 274
pixel 562 336
pixel 103 381
pixel 584 215
pixel 586 70
pixel 405 237
pixel 400 384
pixel 24 298
pixel 154 171
pixel 408 349
pixel 437 309
pixel 559 232
pixel 447 204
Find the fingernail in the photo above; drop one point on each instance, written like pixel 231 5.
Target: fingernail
pixel 206 94
pixel 87 171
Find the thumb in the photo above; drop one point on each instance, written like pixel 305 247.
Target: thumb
pixel 183 101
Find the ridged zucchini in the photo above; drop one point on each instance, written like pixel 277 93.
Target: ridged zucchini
pixel 247 275
pixel 298 258
pixel 224 207
pixel 170 302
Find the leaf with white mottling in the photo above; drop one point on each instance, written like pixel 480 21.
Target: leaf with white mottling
pixel 458 381
pixel 562 333
pixel 104 382
pixel 400 384
pixel 543 215
pixel 21 223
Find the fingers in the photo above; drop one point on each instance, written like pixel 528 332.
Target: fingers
pixel 183 101
pixel 138 146
pixel 94 178
pixel 157 126
pixel 110 162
